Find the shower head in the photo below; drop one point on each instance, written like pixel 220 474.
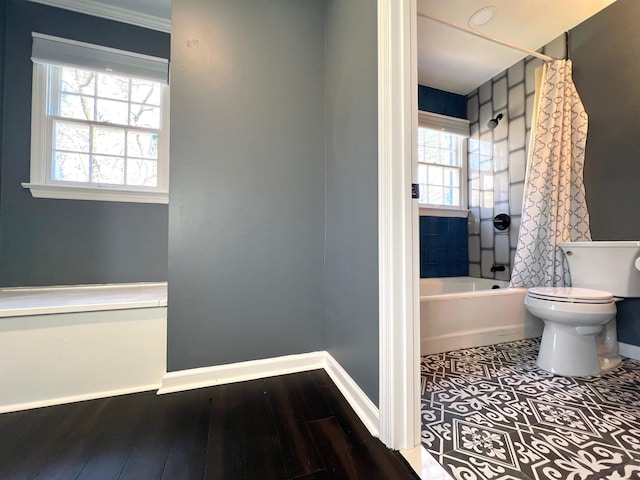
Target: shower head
pixel 493 123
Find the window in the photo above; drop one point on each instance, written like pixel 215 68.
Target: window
pixel 442 162
pixel 99 123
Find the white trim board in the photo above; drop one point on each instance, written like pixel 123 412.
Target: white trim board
pixel 359 401
pixel 118 14
pixel 629 351
pixel 399 358
pixel 269 367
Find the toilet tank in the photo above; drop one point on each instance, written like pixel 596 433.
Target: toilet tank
pixel 608 266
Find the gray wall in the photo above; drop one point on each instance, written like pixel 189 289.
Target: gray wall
pixel 48 242
pixel 351 276
pixel 271 106
pixel 606 54
pixel 246 218
pixel 606 67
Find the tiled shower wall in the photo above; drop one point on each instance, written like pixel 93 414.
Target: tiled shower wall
pixel 497 161
pixel 443 247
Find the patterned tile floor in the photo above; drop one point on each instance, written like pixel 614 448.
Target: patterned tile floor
pixel 489 413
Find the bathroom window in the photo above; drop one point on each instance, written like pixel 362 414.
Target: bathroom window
pixel 99 123
pixel 442 171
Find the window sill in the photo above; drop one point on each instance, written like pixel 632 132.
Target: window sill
pixel 97 194
pixel 443 212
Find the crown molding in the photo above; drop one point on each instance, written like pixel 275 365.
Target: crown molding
pixel 98 9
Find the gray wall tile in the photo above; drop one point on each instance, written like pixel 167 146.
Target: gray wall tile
pixel 486 262
pixel 474 248
pixel 517 166
pixel 516 133
pixel 484 92
pixel 499 94
pixel 515 198
pixel 486 233
pixel 473 108
pixel 516 101
pixel 515 74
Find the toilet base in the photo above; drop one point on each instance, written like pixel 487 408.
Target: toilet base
pixel 609 362
pixel 564 352
pixel 607 341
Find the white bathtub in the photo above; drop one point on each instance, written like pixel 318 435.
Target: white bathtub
pixel 73 343
pixel 465 312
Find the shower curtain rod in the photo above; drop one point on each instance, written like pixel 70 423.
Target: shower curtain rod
pixel 544 57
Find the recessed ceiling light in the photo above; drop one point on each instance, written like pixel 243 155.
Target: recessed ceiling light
pixel 482 16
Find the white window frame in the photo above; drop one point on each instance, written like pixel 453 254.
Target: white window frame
pixel 42 185
pixel 456 126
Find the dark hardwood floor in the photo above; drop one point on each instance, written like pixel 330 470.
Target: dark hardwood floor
pixel 289 427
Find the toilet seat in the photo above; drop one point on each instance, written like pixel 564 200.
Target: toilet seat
pixel 571 295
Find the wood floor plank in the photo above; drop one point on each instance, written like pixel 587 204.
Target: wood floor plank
pixel 257 417
pixel 335 449
pixel 264 458
pixel 149 454
pixel 351 424
pixel 189 446
pixel 298 452
pixel 321 475
pixel 374 460
pixel 320 378
pixel 230 394
pixel 58 454
pixel 312 404
pixel 118 428
pixel 262 447
pixel 225 445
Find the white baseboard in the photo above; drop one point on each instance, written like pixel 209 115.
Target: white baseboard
pixel 270 367
pixel 359 401
pixel 76 398
pixel 240 372
pixel 629 351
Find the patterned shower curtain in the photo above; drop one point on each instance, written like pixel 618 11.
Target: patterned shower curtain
pixel 554 209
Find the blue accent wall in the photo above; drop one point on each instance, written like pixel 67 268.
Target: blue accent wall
pixel 443 247
pixel 438 101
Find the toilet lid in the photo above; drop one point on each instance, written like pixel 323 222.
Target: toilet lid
pixel 570 294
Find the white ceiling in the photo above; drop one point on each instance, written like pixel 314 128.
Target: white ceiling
pixel 459 62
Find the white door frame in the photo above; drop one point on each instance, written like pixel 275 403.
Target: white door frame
pixel 398 225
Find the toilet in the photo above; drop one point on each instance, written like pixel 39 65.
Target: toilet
pixel 579 336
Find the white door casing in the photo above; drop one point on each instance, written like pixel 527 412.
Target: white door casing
pixel 398 224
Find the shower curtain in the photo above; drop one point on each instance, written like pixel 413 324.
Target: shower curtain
pixel 554 208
